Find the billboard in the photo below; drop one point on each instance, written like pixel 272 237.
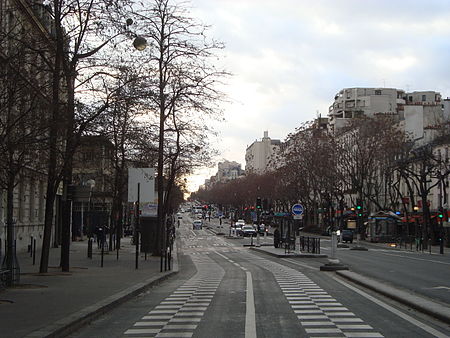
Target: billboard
pixel 145 177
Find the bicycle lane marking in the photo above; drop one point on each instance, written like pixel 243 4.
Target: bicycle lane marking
pixel 250 314
pixel 318 312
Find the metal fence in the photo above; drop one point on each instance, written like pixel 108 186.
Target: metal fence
pixel 307 244
pixel 310 244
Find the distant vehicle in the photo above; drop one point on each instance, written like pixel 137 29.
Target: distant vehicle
pixel 248 230
pixel 199 216
pixel 179 216
pixel 197 224
pixel 262 229
pixel 346 235
pixel 197 209
pixel 238 226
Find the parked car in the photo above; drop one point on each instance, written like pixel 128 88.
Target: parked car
pixel 346 235
pixel 197 224
pixel 248 230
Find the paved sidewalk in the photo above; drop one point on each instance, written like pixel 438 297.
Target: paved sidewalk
pixel 56 303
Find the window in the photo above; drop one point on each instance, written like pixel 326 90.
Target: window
pixel 424 98
pixel 378 92
pixel 410 98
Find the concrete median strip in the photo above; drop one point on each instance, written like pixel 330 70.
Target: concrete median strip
pixel 429 307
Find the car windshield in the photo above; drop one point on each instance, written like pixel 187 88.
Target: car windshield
pixel 247 227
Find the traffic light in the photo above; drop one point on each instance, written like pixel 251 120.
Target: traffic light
pixel 359 209
pixel 258 203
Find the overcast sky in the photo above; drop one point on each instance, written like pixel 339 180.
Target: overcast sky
pixel 290 57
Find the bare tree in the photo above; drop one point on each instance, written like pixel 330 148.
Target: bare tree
pixel 182 79
pixel 81 93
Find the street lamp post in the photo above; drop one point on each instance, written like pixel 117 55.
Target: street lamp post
pixel 91 184
pixel 416 231
pixel 140 44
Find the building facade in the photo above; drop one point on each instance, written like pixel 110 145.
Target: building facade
pixel 25 96
pixel 258 155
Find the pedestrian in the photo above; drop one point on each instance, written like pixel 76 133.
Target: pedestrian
pixel 276 238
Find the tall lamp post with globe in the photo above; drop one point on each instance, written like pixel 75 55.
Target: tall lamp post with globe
pixel 140 44
pixel 91 184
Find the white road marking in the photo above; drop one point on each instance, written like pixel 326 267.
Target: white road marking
pixel 180 313
pixel 402 315
pixel 440 287
pixel 290 260
pixel 250 316
pixel 314 307
pixel 415 258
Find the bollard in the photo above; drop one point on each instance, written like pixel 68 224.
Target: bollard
pixel 89 252
pixel 34 251
pixel 103 251
pixel 170 258
pixel 31 246
pixel 333 245
pixel 137 250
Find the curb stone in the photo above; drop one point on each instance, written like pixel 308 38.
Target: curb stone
pixel 77 320
pixel 432 308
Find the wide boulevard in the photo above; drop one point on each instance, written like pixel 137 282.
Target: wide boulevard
pixel 225 289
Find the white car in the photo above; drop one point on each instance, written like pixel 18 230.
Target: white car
pixel 238 226
pixel 197 224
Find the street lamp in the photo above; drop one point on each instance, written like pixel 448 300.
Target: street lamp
pixel 91 184
pixel 140 44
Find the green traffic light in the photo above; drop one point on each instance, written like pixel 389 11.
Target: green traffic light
pixel 358 207
pixel 441 216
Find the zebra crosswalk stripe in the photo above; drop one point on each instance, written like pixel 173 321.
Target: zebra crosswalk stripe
pixel 180 313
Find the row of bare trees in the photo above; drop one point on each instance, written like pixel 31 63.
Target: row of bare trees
pixel 370 161
pixel 74 73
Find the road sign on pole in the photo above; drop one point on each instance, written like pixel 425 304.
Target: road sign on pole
pixel 297 209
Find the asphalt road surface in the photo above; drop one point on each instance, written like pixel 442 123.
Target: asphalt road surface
pixel 225 290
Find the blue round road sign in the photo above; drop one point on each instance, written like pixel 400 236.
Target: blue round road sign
pixel 297 209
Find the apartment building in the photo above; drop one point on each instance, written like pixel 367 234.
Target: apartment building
pixel 259 154
pixel 25 96
pixel 353 102
pixel 226 171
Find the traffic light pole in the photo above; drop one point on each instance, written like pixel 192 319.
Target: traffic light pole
pixel 359 219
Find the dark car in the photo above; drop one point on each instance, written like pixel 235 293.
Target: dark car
pixel 347 236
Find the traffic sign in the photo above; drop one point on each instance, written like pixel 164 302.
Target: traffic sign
pixel 297 209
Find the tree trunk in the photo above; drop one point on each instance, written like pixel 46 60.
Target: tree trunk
pixel 10 249
pixel 67 174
